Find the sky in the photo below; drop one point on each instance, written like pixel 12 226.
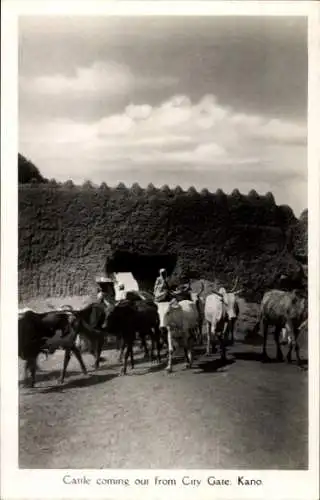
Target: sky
pixel 210 102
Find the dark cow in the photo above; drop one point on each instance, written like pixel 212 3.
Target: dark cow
pixel 38 332
pixel 149 320
pixel 90 324
pixel 130 317
pixel 283 309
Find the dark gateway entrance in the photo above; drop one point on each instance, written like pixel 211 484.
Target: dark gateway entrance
pixel 144 267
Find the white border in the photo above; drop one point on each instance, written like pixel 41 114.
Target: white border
pixel 35 484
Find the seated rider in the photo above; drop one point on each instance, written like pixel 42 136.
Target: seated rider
pixel 184 289
pixel 161 289
pixel 105 293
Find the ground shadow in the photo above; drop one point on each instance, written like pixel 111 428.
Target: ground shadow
pixel 42 376
pixel 257 356
pixel 248 356
pixel 214 365
pixel 255 340
pixel 85 381
pixel 152 369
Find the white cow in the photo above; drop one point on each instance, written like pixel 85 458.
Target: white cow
pixel 181 294
pixel 222 301
pixel 180 319
pixel 215 313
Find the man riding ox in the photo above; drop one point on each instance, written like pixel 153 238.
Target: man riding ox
pixel 106 295
pixel 163 295
pixel 180 315
pixel 221 311
pixel 180 319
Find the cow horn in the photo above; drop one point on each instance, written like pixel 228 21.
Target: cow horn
pixel 237 292
pixel 235 285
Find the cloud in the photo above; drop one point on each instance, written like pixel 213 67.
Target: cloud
pixel 109 78
pixel 202 141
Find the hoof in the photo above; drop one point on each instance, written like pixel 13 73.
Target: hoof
pixel 169 369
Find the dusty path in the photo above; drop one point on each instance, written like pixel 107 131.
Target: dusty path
pixel 247 415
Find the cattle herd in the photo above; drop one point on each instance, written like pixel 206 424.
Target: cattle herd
pixel 179 322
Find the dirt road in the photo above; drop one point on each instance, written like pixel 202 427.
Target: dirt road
pixel 244 415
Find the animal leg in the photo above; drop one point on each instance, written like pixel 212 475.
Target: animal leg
pixel 26 367
pixel 186 356
pixel 188 353
pixel 121 347
pixel 125 361
pixel 158 343
pixel 153 342
pixel 214 338
pixel 289 355
pixel 264 327
pixel 144 345
pixel 208 338
pixel 190 357
pixel 118 343
pixel 297 349
pixel 131 356
pixel 290 336
pixel 231 328
pixel 67 356
pixel 77 354
pixel 99 346
pixel 222 340
pixel 277 332
pixel 33 369
pixel 170 351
